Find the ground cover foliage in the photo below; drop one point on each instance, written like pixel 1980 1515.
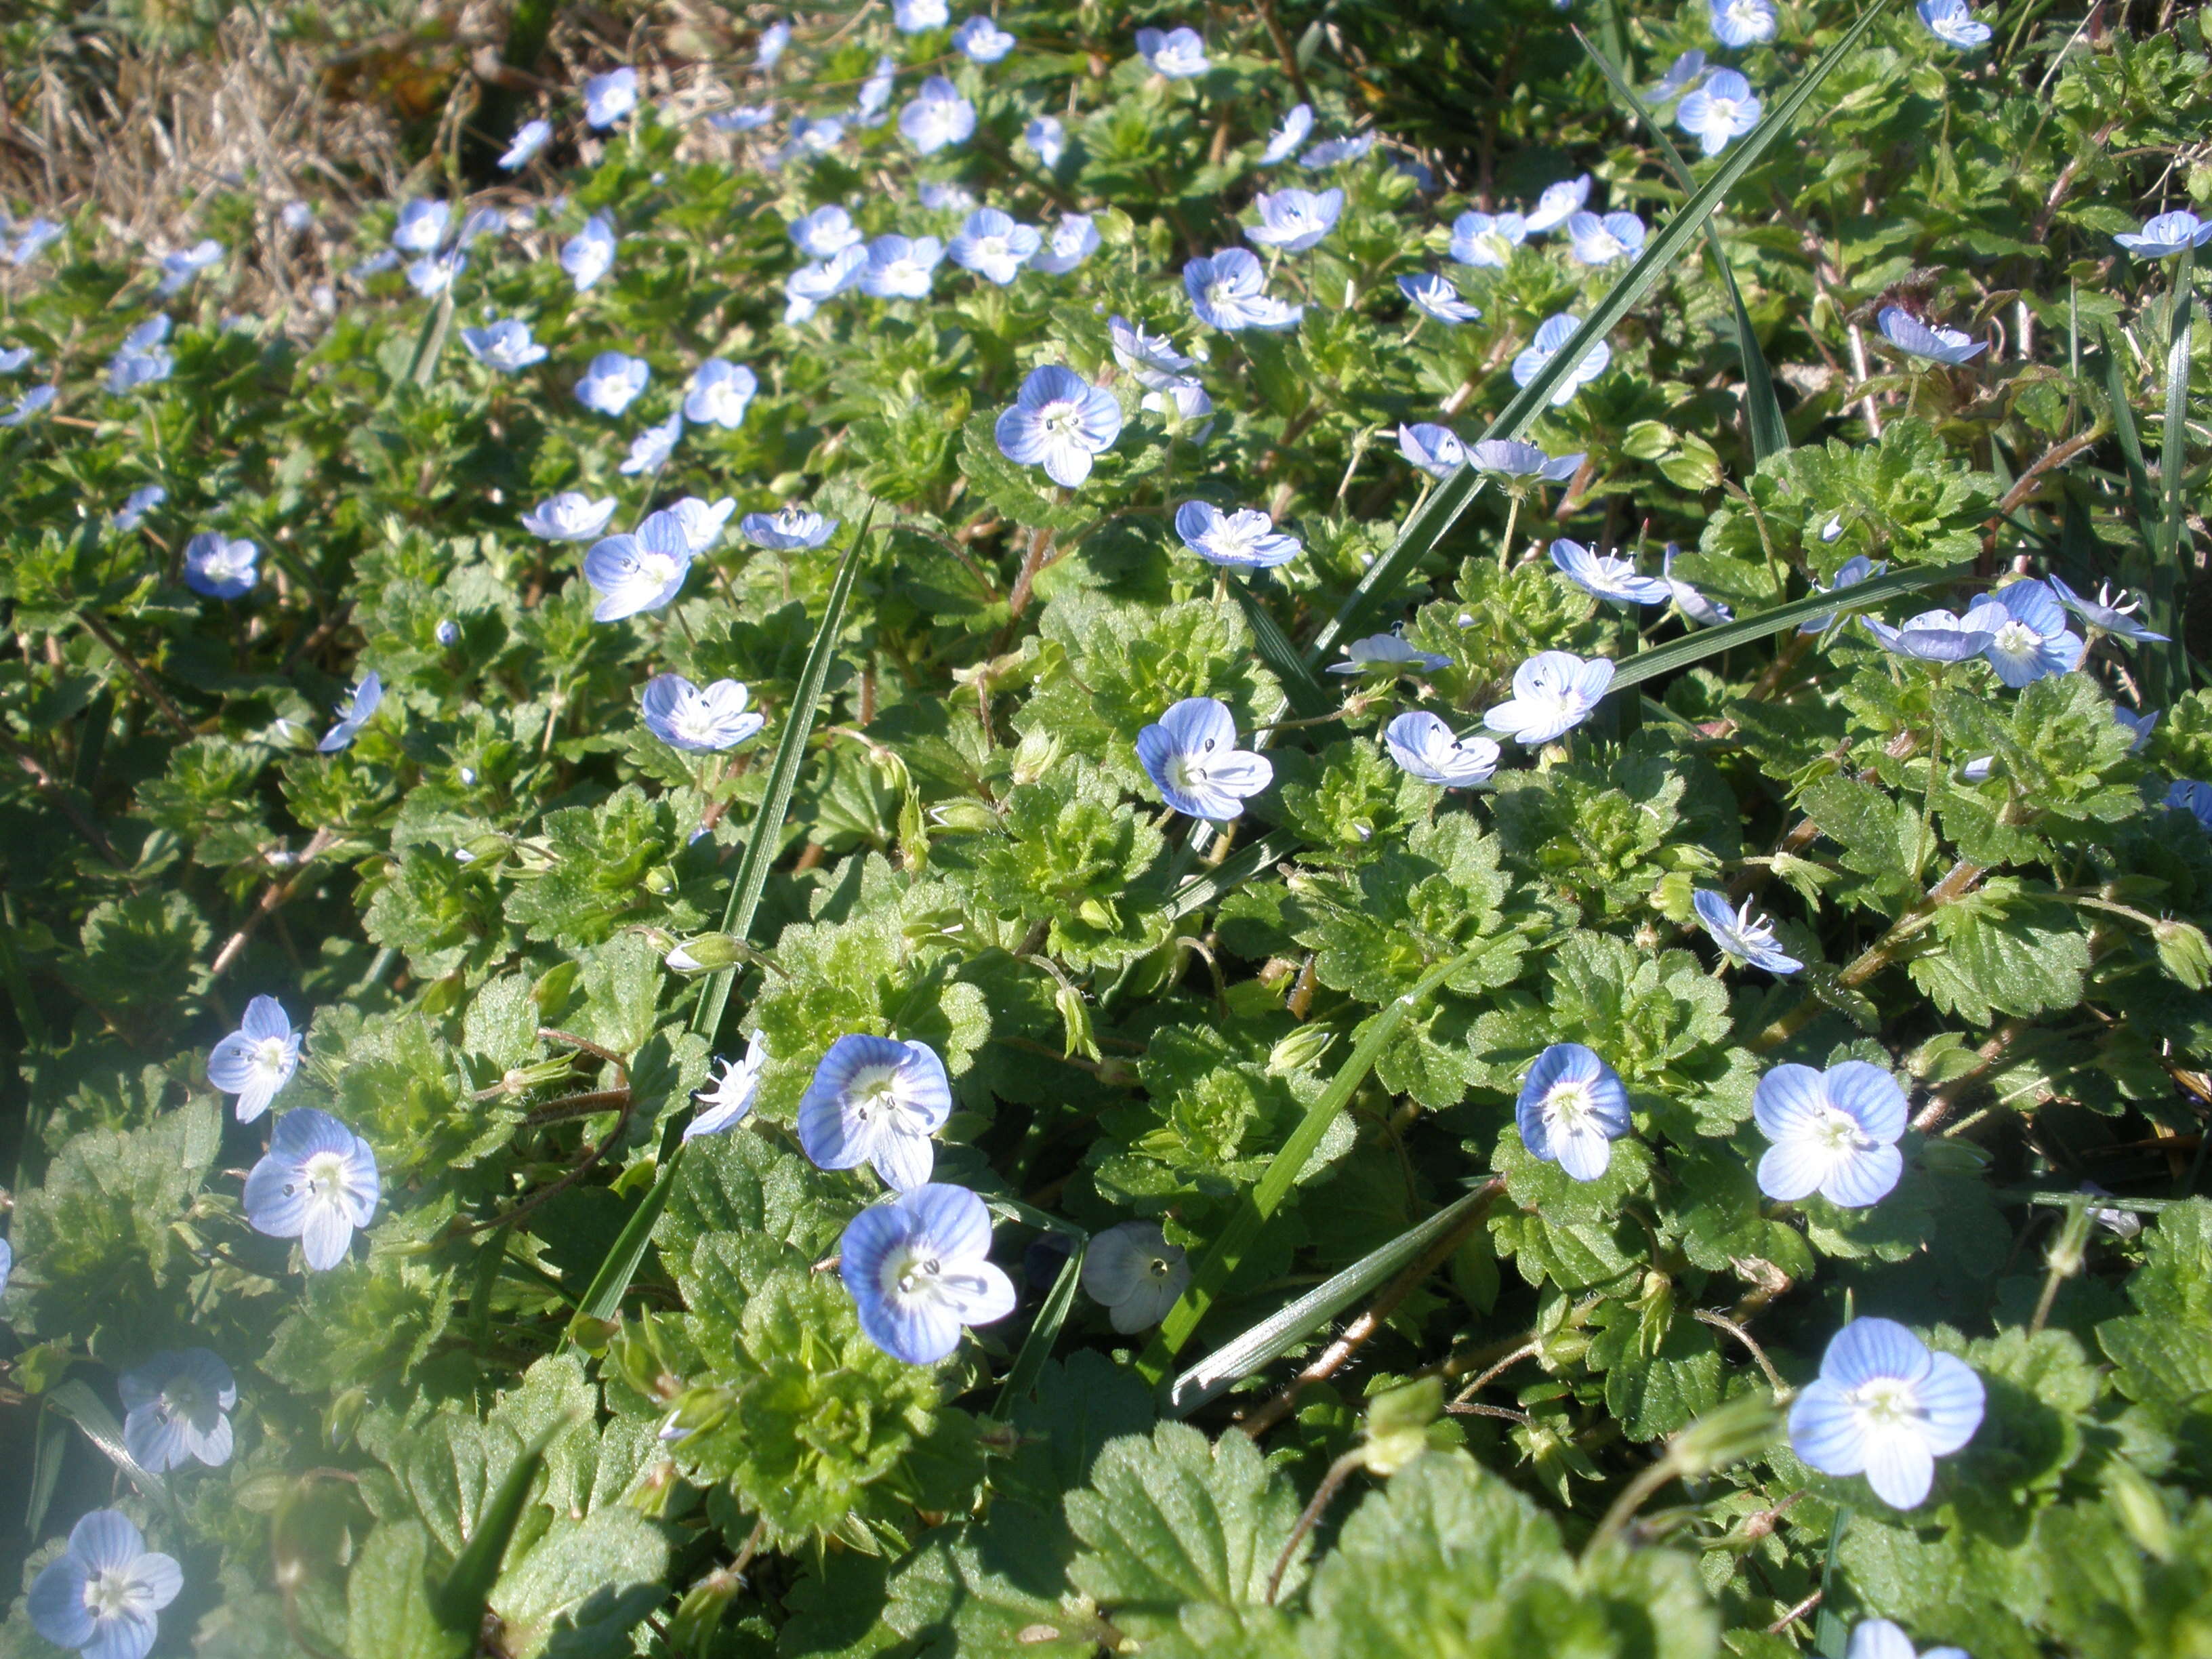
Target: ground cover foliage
pixel 550 1160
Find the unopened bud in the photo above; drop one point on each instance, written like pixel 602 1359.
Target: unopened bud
pixel 1398 1423
pixel 1728 1434
pixel 2142 1510
pixel 1300 1050
pixel 1948 1156
pixel 1075 1021
pixel 706 954
pixel 1038 753
pixel 963 818
pixel 2184 952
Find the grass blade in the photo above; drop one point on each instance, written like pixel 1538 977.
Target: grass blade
pixel 1435 517
pixel 2132 450
pixel 1272 1337
pixel 1044 1336
pixel 1770 433
pixel 602 1300
pixel 1309 697
pixel 77 1402
pixel 1678 654
pixel 1264 1197
pixel 459 1601
pixel 1207 885
pixel 430 343
pixel 2173 459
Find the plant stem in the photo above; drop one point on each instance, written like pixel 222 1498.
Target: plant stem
pixel 1339 1473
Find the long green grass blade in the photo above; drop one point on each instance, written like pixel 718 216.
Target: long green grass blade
pixel 782 778
pixel 1309 697
pixel 430 343
pixel 76 1402
pixel 1207 885
pixel 1272 1337
pixel 1678 654
pixel 2172 461
pixel 2131 450
pixel 1434 518
pixel 1265 1196
pixel 458 1602
pixel 603 1301
pixel 1770 433
pixel 1044 1334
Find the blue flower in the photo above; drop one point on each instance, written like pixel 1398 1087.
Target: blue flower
pixel 14 358
pixel 1424 747
pixel 1610 578
pixel 1046 139
pixel 918 1269
pixel 1387 654
pixel 1437 450
pixel 421 226
pixel 435 273
pixel 1059 421
pixel 613 381
pixel 1835 1133
pixel 718 394
pixel 590 253
pixel 1073 239
pixel 875 1101
pixel 1181 404
pixel 141 502
pixel 7 1262
pixel 1295 220
pixel 447 632
pixel 990 244
pixel 750 118
pixel 649 451
pixel 700 722
pixel 1288 137
pixel 258 1060
pixel 27 405
pixel 317 1183
pixel 983 40
pixel 1725 107
pixel 142 358
pixel 700 524
pixel 1877 1638
pixel 768 51
pixel 920 17
pixel 1435 297
pixel 2033 640
pixel 899 267
pixel 825 231
pixel 1553 692
pixel 1516 462
pixel 2115 617
pixel 356 711
pixel 2188 795
pixel 806 288
pixel 1918 339
pixel 2163 237
pixel 1681 74
pixel 874 98
pixel 529 138
pixel 1694 606
pixel 1192 757
pixel 505 345
pixel 2138 726
pixel 569 517
pixel 1229 292
pixel 609 97
pixel 1550 336
pixel 1885 1406
pixel 787 530
pixel 1572 1108
pixel 941 197
pixel 1151 359
pixel 1559 203
pixel 1488 239
pixel 1179 54
pixel 1742 936
pixel 1857 570
pixel 35 238
pixel 174 1407
pixel 1949 21
pixel 100 1595
pixel 731 1099
pixel 936 116
pixel 639 571
pixel 1245 540
pixel 1741 22
pixel 178 269
pixel 1331 152
pixel 1601 241
pixel 1940 635
pixel 1134 1273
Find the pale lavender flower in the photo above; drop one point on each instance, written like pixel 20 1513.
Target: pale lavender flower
pixel 613 382
pixel 900 268
pixel 101 1596
pixel 1601 241
pixel 1059 421
pixel 936 116
pixel 1435 297
pixel 317 1183
pixel 258 1060
pixel 1742 936
pixel 1295 220
pixel 826 231
pixel 1553 692
pixel 918 1269
pixel 1178 54
pixel 1191 755
pixel 2116 616
pixel 1884 1406
pixel 1423 745
pixel 2167 234
pixel 1834 1132
pixel 1723 108
pixel 1949 21
pixel 174 1407
pixel 1244 540
pixel 730 1100
pixel 699 720
pixel 505 345
pixel 1073 239
pixel 982 41
pixel 529 138
pixel 1135 1274
pixel 1551 337
pixel 1487 239
pixel 790 529
pixel 1743 22
pixel 609 97
pixel 1572 1108
pixel 1607 576
pixel 359 707
pixel 1046 137
pixel 877 1101
pixel 990 244
pixel 718 394
pixel 1937 344
pixel 1288 137
pixel 590 253
pixel 178 269
pixel 1229 292
pixel 2032 642
pixel 1694 606
pixel 1558 202
pixel 639 571
pixel 219 567
pixel 569 517
pixel 649 451
pixel 1387 654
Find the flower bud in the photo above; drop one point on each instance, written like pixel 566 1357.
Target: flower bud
pixel 2141 1510
pixel 1730 1432
pixel 700 1612
pixel 1954 1157
pixel 706 953
pixel 1038 753
pixel 660 881
pixel 1300 1050
pixel 964 817
pixel 2184 952
pixel 1398 1422
pixel 1075 1021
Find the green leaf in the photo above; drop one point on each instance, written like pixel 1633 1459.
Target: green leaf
pixel 2163 1350
pixel 1173 1519
pixel 1435 517
pixel 388 1612
pixel 459 1600
pixel 582 1588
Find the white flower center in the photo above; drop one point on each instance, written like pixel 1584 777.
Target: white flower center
pixel 1567 1105
pixel 110 1593
pixel 1062 421
pixel 268 1057
pixel 1885 1402
pixel 324 1177
pixel 1219 294
pixel 694 723
pixel 656 568
pixel 1189 771
pixel 2017 636
pixel 873 1090
pixel 1838 1132
pixel 1159 1268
